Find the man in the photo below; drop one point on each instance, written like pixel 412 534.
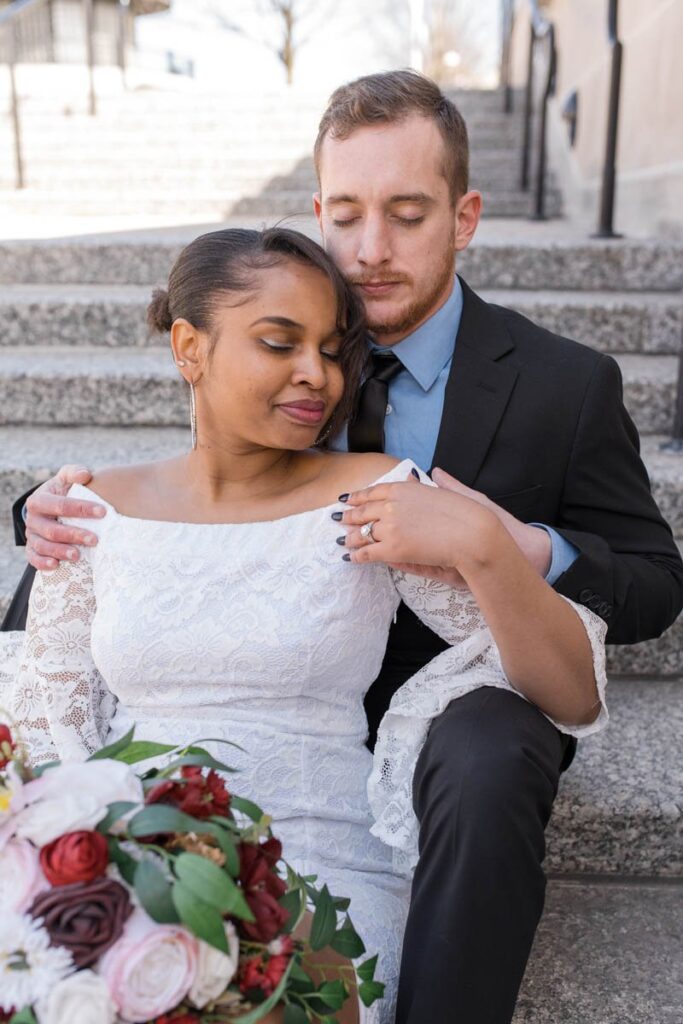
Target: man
pixel 523 420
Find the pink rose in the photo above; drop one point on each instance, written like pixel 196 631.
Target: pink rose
pixel 150 969
pixel 21 878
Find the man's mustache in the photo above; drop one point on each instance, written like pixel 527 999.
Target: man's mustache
pixel 379 279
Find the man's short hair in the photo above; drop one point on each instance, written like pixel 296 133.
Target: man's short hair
pixel 389 98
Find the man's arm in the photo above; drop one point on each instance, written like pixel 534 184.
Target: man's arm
pixel 35 514
pixel 629 569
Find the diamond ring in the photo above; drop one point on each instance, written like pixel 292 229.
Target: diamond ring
pixel 366 532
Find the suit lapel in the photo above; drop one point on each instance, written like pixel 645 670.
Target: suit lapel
pixel 477 391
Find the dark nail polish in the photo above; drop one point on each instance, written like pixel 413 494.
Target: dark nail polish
pixel 415 474
pixel 346 557
pixel 341 540
pixel 337 516
pixel 343 497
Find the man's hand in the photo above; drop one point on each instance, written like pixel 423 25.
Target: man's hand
pixel 535 544
pixel 48 542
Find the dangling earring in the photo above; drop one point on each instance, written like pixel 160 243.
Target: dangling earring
pixel 323 437
pixel 193 416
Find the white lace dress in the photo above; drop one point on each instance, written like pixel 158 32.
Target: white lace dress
pixel 261 634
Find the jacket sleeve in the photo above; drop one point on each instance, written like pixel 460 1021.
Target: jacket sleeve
pixel 629 569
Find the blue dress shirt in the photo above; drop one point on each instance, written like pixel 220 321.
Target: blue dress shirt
pixel 416 398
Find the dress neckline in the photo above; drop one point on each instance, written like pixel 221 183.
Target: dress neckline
pixel 94 496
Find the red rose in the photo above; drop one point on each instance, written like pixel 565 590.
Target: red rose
pixel 262 889
pixel 74 857
pixel 6 745
pixel 259 979
pixel 275 968
pixel 178 1018
pixel 196 794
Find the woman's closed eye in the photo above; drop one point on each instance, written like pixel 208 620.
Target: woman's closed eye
pixel 275 346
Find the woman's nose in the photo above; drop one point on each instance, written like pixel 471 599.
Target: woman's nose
pixel 310 369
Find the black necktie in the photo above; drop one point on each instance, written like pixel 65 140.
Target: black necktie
pixel 366 428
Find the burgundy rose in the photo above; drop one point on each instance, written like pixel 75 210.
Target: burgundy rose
pixel 196 794
pixel 86 918
pixel 75 857
pixel 182 1017
pixel 6 745
pixel 259 978
pixel 262 889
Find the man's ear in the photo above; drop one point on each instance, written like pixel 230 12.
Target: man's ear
pixel 318 210
pixel 467 214
pixel 188 350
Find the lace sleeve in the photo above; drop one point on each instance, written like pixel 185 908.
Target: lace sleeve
pixel 60 704
pixel 471 661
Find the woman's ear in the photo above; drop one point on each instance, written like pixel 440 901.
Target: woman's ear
pixel 189 350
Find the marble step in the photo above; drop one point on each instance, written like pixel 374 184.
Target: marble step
pixel 520 256
pixel 214 204
pixel 71 386
pixel 605 953
pixel 115 315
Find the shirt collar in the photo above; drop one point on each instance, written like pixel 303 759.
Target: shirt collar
pixel 425 352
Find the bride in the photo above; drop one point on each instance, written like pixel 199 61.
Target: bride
pixel 237 592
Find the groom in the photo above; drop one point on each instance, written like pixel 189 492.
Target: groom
pixel 536 425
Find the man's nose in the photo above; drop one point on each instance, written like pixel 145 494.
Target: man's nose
pixel 374 246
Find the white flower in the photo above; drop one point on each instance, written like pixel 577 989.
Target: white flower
pixel 72 797
pixel 21 877
pixel 215 970
pixel 83 998
pixel 29 966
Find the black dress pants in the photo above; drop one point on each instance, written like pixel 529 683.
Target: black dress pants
pixel 483 791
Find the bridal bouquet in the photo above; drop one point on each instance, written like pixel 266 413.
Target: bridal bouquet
pixel 158 897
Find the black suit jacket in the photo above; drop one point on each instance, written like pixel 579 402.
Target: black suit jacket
pixel 537 423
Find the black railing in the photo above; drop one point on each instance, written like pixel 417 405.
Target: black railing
pixel 609 170
pixel 507 20
pixel 541 35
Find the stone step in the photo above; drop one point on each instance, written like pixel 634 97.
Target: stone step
pixel 527 263
pixel 216 204
pixel 619 807
pixel 115 315
pixel 92 385
pixel 606 952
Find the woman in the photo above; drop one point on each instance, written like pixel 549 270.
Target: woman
pixel 219 602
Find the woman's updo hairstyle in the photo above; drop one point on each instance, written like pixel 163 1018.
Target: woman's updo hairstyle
pixel 227 262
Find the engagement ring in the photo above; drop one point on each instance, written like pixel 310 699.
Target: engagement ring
pixel 366 532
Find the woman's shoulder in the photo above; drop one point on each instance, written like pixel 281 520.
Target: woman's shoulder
pixel 353 471
pixel 129 490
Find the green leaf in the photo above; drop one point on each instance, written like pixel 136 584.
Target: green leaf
pixel 161 818
pixel 324 920
pixel 259 1012
pixel 211 884
pixel 341 902
pixel 201 760
pixel 114 813
pixel 333 994
pixel 142 750
pixel 154 892
pixel 295 1015
pixel 203 920
pixel 124 862
pixel 37 772
pixel 293 903
pixel 366 971
pixel 347 941
pixel 369 991
pixel 252 810
pixel 25 1016
pixel 114 749
pixel 228 847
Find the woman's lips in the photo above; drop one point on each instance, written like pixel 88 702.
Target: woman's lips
pixel 304 412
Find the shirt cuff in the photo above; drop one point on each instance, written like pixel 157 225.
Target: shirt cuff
pixel 24 512
pixel 563 554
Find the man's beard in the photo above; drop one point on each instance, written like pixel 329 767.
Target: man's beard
pixel 407 319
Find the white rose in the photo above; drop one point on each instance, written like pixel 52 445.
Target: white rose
pixel 21 877
pixel 72 797
pixel 83 998
pixel 215 970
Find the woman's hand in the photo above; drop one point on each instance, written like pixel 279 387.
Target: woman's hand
pixel 424 530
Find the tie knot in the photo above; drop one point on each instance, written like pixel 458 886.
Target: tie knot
pixel 385 366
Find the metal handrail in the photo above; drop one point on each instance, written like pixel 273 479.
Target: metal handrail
pixel 609 171
pixel 507 22
pixel 541 30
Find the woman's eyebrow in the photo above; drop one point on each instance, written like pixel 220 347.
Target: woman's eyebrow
pixel 278 321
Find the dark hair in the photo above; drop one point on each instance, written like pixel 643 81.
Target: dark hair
pixel 228 261
pixel 389 98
